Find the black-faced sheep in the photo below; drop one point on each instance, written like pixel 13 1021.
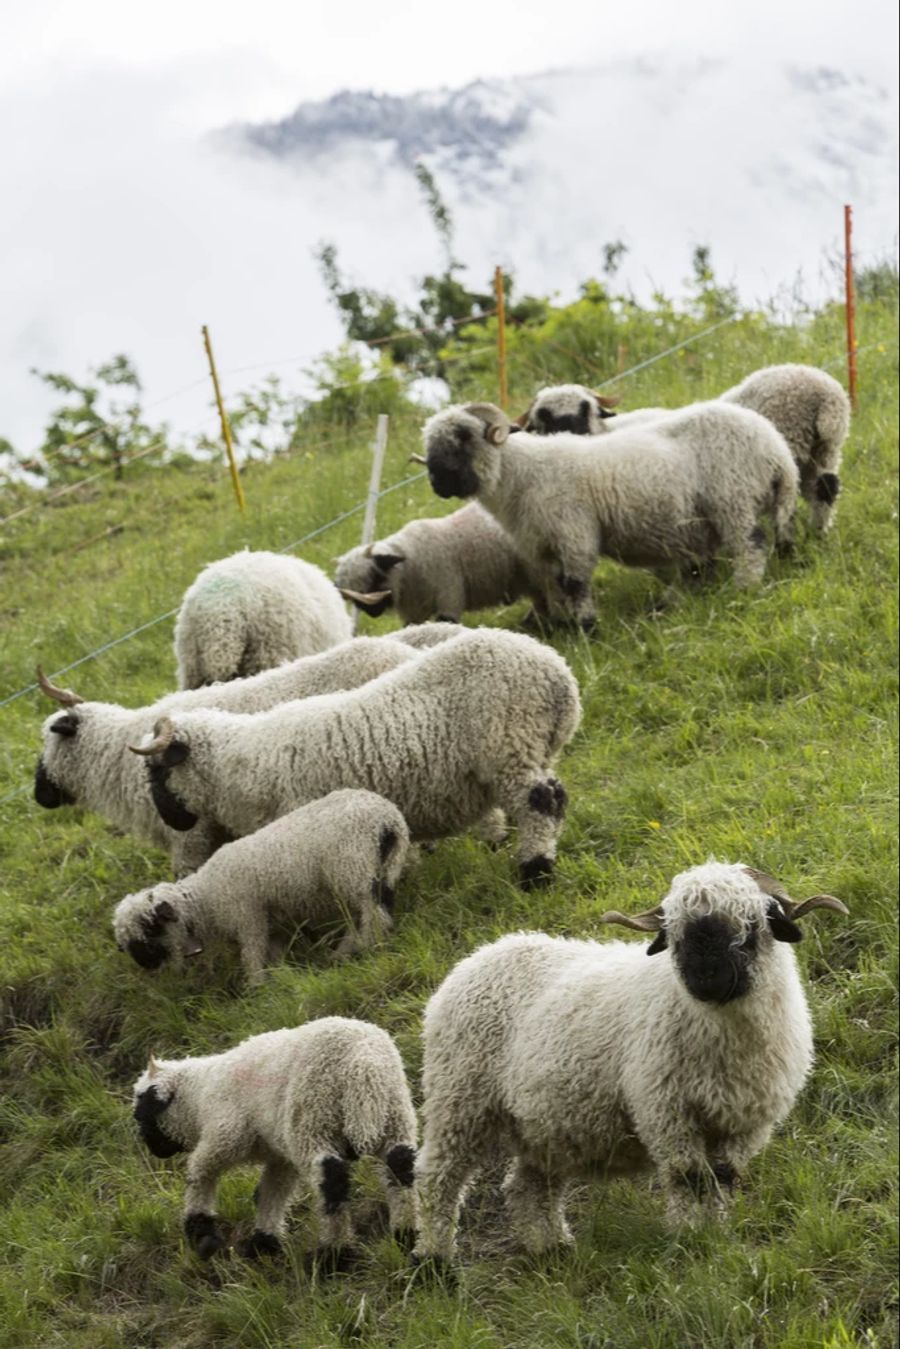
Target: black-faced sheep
pixel 571 1058
pixel 336 858
pixel 250 611
pixel 473 725
pixel 436 569
pixel 684 490
pixel 304 1103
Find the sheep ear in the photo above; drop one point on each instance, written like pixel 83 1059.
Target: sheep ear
pixel 781 928
pixel 606 402
pixel 384 561
pixel 659 943
pixel 164 912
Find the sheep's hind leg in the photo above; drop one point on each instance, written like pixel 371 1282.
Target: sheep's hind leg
pixel 535 1203
pixel 441 1179
pixel 331 1188
pixel 273 1194
pixel 748 549
pixel 536 801
pixel 399 1160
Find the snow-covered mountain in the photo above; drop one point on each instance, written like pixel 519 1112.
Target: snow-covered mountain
pixel 756 161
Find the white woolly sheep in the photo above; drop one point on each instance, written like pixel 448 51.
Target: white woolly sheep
pixel 812 412
pixel 577 1057
pixel 340 857
pixel 473 725
pixel 436 569
pixel 682 490
pixel 84 761
pixel 808 407
pixel 305 1103
pixel 251 611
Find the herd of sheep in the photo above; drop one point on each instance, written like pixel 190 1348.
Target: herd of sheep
pixel 295 768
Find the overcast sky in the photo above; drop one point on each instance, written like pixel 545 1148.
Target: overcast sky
pixel 102 106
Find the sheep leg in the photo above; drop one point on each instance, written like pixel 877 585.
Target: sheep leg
pixel 536 802
pixel 492 828
pixel 441 1181
pixel 255 950
pixel 399 1161
pixel 745 543
pixel 273 1194
pixel 331 1190
pixel 368 922
pixel 535 1203
pixel 205 1165
pixel 821 485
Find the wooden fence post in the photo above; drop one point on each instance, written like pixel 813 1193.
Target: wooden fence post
pixel 378 450
pixel 850 306
pixel 223 417
pixel 501 335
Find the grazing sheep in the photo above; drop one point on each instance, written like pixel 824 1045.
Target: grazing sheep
pixel 340 857
pixel 304 1103
pixel 567 407
pixel 251 611
pixel 574 1058
pixel 685 489
pixel 808 407
pixel 812 412
pixel 436 569
pixel 84 761
pixel 471 726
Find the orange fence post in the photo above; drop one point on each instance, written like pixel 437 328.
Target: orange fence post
pixel 223 417
pixel 501 335
pixel 850 306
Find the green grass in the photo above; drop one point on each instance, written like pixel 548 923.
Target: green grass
pixel 756 726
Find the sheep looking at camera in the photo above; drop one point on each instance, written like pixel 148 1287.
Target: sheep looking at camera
pixel 84 761
pixel 573 1057
pixel 340 857
pixel 568 407
pixel 250 611
pixel 303 1102
pixel 436 569
pixel 680 490
pixel 471 726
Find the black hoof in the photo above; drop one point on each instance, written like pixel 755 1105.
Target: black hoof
pixel 204 1235
pixel 328 1260
pixel 259 1243
pixel 588 625
pixel 536 873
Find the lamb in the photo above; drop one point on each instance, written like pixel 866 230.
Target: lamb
pixel 304 1102
pixel 250 611
pixel 436 569
pixel 577 1057
pixel 806 405
pixel 84 759
pixel 340 857
pixel 473 725
pixel 681 490
pixel 812 412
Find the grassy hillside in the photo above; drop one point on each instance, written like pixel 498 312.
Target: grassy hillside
pixel 755 726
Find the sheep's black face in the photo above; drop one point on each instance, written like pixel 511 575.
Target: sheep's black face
pixel 173 811
pixel 450 463
pixel 46 791
pixel 147 1109
pixel 552 423
pixel 149 954
pixel 713 966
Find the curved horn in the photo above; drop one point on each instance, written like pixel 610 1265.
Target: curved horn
pixel 417 459
pixel 64 696
pixel 153 1065
pixel 792 909
pixel 651 921
pixel 355 597
pixel 496 423
pixel 163 735
pixel 608 400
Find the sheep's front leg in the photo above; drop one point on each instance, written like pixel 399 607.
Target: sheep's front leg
pixel 535 1203
pixel 441 1180
pixel 575 559
pixel 273 1195
pixel 205 1165
pixel 368 920
pixel 255 947
pixel 331 1190
pixel 536 801
pixel 399 1161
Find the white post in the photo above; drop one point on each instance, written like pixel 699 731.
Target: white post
pixel 378 449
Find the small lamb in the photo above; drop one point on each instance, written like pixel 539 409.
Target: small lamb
pixel 305 1103
pixel 436 569
pixel 573 1058
pixel 340 856
pixel 682 490
pixel 250 611
pixel 567 407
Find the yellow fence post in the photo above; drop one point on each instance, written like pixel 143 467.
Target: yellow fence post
pixel 850 304
pixel 501 335
pixel 223 416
